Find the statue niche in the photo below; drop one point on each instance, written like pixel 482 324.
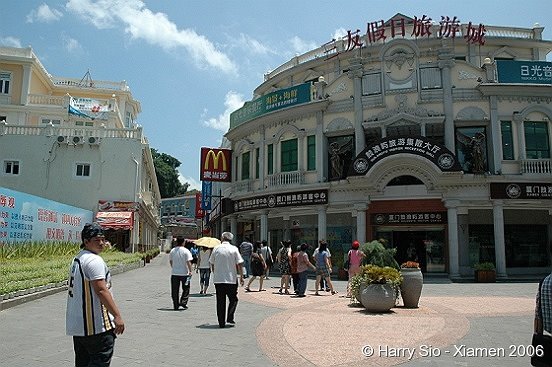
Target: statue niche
pixel 340 155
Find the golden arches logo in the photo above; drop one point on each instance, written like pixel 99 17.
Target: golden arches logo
pixel 215 158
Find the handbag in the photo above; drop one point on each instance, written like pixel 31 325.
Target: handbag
pixel 542 356
pixel 347 262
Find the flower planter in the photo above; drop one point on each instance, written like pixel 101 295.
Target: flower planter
pixel 377 297
pixel 411 286
pixel 485 276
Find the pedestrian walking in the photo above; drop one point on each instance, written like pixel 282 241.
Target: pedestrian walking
pixel 323 284
pixel 246 248
pixel 258 267
pixel 180 259
pixel 323 268
pixel 284 263
pixel 204 269
pixel 354 258
pixel 293 266
pixel 267 256
pixel 303 265
pixel 226 265
pixel 92 316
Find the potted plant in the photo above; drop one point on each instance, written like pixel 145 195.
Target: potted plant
pixel 376 287
pixel 412 284
pixel 376 253
pixel 485 272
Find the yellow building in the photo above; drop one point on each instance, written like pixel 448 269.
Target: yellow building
pixel 76 141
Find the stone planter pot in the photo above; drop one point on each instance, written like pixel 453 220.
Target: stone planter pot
pixel 411 286
pixel 377 297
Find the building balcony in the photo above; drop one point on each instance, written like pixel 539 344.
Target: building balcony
pixel 536 166
pixel 285 179
pixel 68 133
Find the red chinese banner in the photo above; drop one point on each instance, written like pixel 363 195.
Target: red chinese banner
pixel 199 213
pixel 216 165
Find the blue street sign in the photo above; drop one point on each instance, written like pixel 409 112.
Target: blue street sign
pixel 206 192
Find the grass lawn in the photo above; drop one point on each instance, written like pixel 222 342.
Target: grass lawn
pixel 28 265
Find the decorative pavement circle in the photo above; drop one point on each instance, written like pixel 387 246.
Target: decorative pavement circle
pixel 299 334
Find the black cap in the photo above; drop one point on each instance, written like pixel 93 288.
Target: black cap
pixel 91 230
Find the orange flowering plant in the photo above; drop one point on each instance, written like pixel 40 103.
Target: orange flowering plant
pixel 410 264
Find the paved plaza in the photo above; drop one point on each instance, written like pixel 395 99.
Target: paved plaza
pixel 457 324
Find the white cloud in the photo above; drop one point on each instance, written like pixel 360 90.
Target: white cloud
pixel 71 44
pixel 194 184
pixel 301 46
pixel 154 28
pixel 249 43
pixel 232 102
pixel 44 14
pixel 10 42
pixel 338 34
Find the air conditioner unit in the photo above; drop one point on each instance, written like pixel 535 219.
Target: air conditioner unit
pixel 77 140
pixel 61 139
pixel 94 140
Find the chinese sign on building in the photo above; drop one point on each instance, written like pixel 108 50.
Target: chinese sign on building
pixel 271 102
pixel 521 191
pixel 89 108
pixel 418 145
pixel 417 27
pixel 409 218
pixel 312 197
pixel 527 72
pixel 206 193
pixel 216 165
pixel 25 217
pixel 118 206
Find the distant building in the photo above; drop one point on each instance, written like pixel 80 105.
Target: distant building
pixel 434 136
pixel 76 141
pixel 178 217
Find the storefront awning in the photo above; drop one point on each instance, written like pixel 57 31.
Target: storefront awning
pixel 115 220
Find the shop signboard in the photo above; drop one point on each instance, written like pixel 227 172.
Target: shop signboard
pixel 526 72
pixel 25 217
pixel 274 101
pixel 409 218
pixel 517 190
pixel 117 206
pixel 438 154
pixel 311 197
pixel 215 165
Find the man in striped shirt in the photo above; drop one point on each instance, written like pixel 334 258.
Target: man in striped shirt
pixel 92 316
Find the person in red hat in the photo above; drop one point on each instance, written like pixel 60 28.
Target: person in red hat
pixel 354 259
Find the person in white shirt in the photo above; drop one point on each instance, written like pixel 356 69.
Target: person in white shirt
pixel 92 316
pixel 226 264
pixel 180 259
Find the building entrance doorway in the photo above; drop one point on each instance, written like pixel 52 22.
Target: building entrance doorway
pixel 426 246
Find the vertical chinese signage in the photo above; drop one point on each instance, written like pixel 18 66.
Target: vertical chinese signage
pixel 206 192
pixel 216 165
pixel 199 213
pixel 25 217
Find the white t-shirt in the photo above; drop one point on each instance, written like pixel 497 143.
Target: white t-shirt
pixel 224 259
pixel 85 314
pixel 204 259
pixel 180 256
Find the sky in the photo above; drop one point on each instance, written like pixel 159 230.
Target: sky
pixel 191 63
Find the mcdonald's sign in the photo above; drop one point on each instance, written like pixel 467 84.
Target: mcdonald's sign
pixel 216 165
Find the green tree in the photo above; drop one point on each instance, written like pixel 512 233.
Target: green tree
pixel 167 174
